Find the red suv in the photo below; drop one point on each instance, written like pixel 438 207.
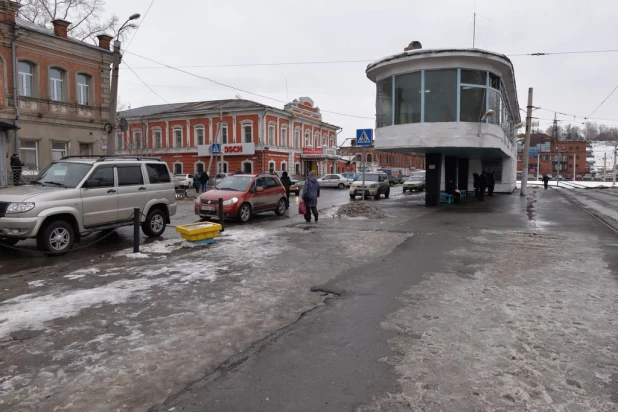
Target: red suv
pixel 243 196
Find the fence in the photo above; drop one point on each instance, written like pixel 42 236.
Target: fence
pixel 26 176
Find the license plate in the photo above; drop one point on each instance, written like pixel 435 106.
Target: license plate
pixel 208 208
pixel 359 192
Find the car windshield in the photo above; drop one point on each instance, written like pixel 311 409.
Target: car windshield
pixel 235 183
pixel 64 174
pixel 417 178
pixel 368 178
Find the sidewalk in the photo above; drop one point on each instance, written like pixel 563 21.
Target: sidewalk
pixel 504 305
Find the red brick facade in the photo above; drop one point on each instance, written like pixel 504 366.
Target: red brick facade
pixel 386 160
pixel 569 152
pixel 258 137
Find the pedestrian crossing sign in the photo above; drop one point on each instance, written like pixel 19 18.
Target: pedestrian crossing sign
pixel 215 148
pixel 364 137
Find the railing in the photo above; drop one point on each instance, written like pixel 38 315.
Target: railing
pixel 24 177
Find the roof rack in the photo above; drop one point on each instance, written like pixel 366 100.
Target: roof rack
pixel 102 158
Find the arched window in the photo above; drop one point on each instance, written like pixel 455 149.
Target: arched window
pixel 222 168
pixel 307 138
pixel 284 136
pixel 316 139
pixel 83 89
pixel 369 158
pixel 199 167
pixel 26 79
pixel 178 137
pixel 332 141
pixel 137 139
pixel 177 168
pixel 247 167
pixel 156 137
pixel 56 84
pixel 119 141
pixel 297 138
pixel 247 132
pixel 271 134
pixel 200 138
pixel 297 169
pixel 224 135
pixel 325 140
pixel 271 165
pixel 284 166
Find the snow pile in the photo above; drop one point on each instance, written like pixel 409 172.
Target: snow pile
pixel 362 209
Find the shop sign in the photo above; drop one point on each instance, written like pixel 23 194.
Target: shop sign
pixel 229 149
pixel 312 151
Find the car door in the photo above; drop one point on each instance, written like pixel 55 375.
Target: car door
pixel 260 197
pixel 131 189
pixel 100 202
pixel 335 180
pixel 273 194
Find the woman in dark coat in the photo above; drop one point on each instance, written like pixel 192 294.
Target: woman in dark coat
pixel 204 181
pixel 476 184
pixel 286 182
pixel 482 186
pixel 491 183
pixel 311 192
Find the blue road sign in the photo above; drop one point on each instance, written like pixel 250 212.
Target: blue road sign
pixel 215 148
pixel 533 153
pixel 364 137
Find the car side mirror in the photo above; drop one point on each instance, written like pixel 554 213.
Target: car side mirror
pixel 259 189
pixel 91 183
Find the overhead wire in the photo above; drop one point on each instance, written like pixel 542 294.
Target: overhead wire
pixel 599 106
pixel 143 19
pixel 238 88
pixel 145 84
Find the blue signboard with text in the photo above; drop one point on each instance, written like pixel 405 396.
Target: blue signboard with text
pixel 364 137
pixel 533 153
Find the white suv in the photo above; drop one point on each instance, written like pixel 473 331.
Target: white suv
pixel 76 196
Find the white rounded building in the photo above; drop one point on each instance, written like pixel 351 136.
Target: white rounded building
pixel 457 106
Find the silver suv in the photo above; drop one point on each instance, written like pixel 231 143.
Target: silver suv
pixel 75 196
pixel 376 184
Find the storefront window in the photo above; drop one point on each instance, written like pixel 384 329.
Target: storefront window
pixel 408 98
pixel 440 95
pixel 472 103
pixel 384 103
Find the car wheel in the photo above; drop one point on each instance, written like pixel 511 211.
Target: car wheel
pixel 387 194
pixel 341 186
pixel 154 225
pixel 280 210
pixel 244 212
pixel 56 238
pixel 404 190
pixel 352 197
pixel 297 192
pixel 9 241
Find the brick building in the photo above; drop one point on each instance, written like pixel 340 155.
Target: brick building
pixel 381 159
pixel 253 137
pixel 549 155
pixel 54 88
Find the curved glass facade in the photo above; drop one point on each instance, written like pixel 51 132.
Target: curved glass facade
pixel 445 95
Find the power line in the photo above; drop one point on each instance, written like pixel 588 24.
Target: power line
pixel 149 88
pixel 610 95
pixel 318 62
pixel 143 19
pixel 237 88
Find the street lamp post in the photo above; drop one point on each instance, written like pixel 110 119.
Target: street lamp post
pixel 111 135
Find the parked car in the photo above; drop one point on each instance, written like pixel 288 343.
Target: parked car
pixel 531 177
pixel 335 180
pixel 402 178
pixel 376 184
pixel 295 187
pixel 349 175
pixel 587 176
pixel 414 182
pixel 244 195
pixel 76 196
pixel 184 181
pixel 578 177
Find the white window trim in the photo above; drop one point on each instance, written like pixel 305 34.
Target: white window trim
pixel 332 141
pixel 156 130
pixel 297 145
pixel 62 81
pixel 195 129
pixel 272 162
pixel 316 139
pixel 226 163
pixel 324 139
pixel 135 140
pixel 182 168
pixel 21 77
pixel 224 126
pixel 79 89
pixel 300 168
pixel 35 150
pixel 283 162
pixel 247 161
pixel 307 138
pixel 120 135
pixel 195 166
pixel 243 124
pixel 272 126
pixel 65 151
pixel 182 137
pixel 284 141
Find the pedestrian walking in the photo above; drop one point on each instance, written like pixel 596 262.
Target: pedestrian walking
pixel 196 181
pixel 311 192
pixel 16 167
pixel 475 176
pixel 491 183
pixel 204 181
pixel 482 186
pixel 286 182
pixel 545 181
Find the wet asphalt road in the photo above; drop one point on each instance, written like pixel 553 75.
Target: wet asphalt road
pixel 12 261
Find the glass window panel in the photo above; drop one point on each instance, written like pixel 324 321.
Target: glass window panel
pixel 494 81
pixel 55 85
pixel 25 79
pixel 384 103
pixel 200 136
pixel 494 104
pixel 408 98
pixel 472 103
pixel 440 95
pixel 83 82
pixel 474 77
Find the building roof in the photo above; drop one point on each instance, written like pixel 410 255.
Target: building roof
pixel 23 23
pixel 214 106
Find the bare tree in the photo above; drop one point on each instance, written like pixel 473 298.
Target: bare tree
pixel 87 17
pixel 590 131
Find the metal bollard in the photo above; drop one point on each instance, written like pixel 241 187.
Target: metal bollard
pixel 136 215
pixel 221 215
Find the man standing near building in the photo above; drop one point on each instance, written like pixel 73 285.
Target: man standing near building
pixel 16 167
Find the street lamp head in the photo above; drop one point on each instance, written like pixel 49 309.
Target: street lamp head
pixel 518 125
pixel 134 16
pixel 487 114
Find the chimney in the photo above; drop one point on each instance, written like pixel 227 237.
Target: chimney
pixel 104 41
pixel 8 10
pixel 61 28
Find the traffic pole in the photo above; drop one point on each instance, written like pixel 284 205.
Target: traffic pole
pixel 524 168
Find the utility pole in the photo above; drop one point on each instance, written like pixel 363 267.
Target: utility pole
pixel 538 165
pixel 474 32
pixel 574 165
pixel 614 168
pixel 604 166
pixel 554 130
pixel 526 154
pixel 111 135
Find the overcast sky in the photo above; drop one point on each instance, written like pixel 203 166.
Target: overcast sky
pixel 233 32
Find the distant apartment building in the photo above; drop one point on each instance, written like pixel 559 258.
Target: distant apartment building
pixel 254 137
pixel 549 155
pixel 55 90
pixel 404 162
